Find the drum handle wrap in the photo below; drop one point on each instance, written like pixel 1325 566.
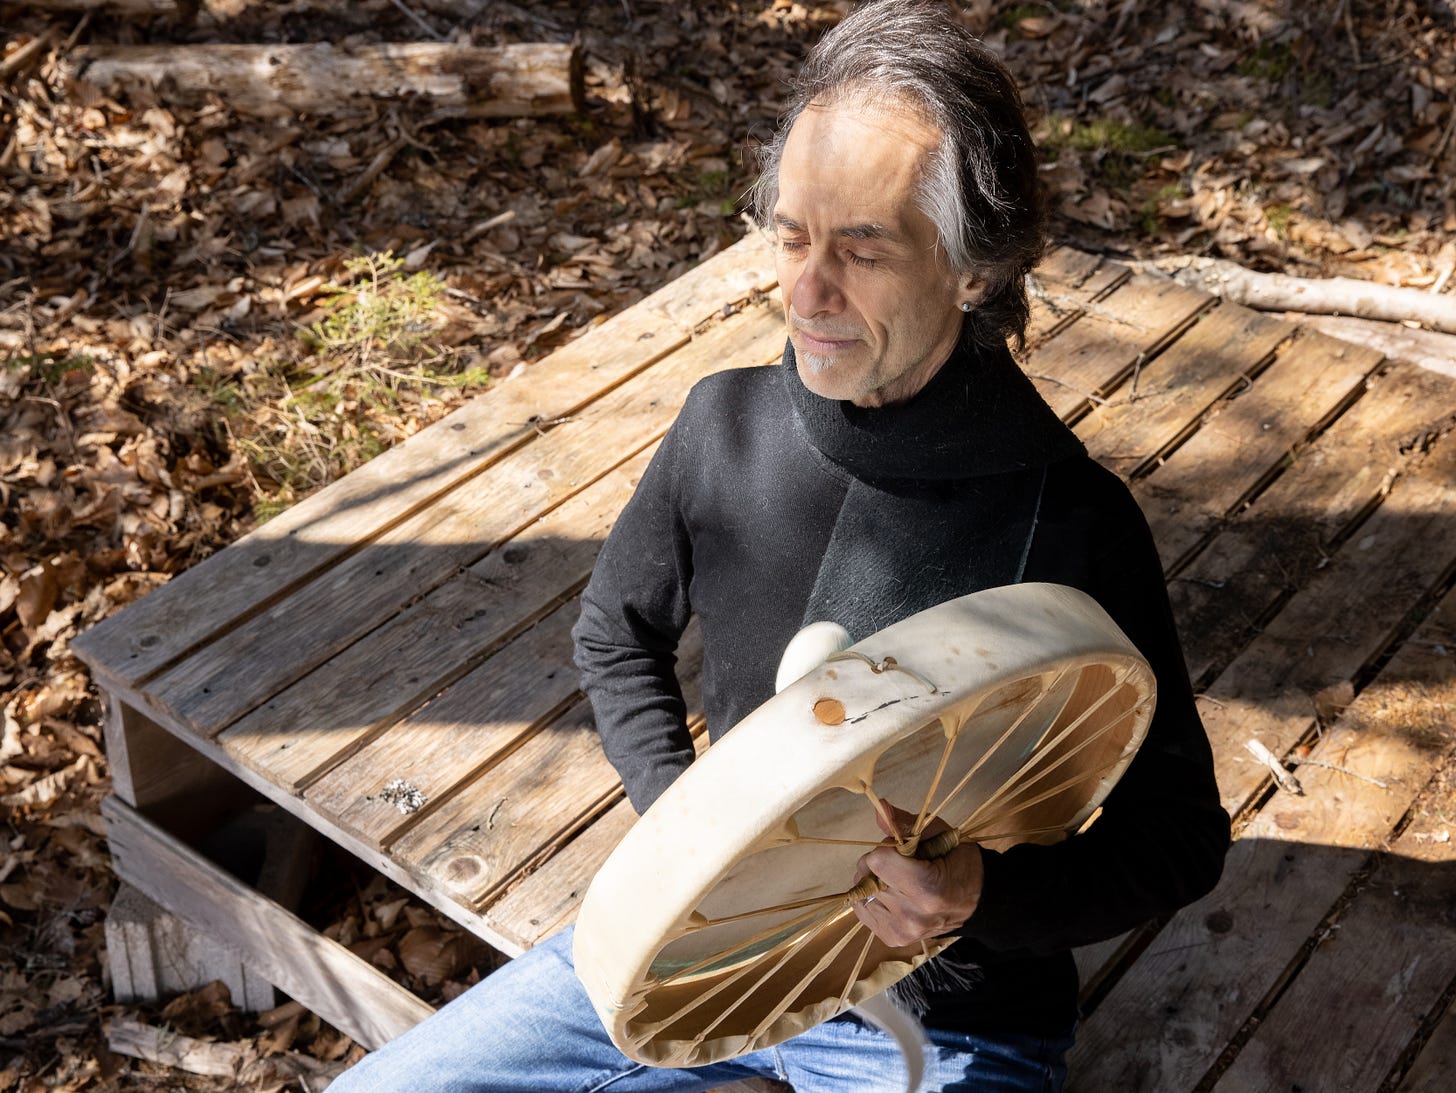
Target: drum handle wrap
pixel 929 850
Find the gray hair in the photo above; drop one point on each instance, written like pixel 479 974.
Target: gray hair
pixel 980 188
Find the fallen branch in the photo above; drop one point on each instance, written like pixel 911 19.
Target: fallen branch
pixel 1330 296
pixel 242 1062
pixel 27 55
pixel 520 80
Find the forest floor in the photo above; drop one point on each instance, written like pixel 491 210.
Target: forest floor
pixel 205 315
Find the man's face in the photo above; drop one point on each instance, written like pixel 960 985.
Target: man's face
pixel 872 309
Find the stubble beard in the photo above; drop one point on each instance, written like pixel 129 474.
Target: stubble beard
pixel 816 363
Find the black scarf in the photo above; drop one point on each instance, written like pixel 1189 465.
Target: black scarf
pixel 944 491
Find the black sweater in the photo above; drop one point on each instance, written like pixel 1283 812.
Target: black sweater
pixel 768 507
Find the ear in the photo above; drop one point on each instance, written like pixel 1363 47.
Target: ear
pixel 971 290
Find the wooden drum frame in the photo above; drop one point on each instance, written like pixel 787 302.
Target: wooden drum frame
pixel 723 921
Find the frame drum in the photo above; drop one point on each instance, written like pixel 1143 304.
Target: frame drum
pixel 723 921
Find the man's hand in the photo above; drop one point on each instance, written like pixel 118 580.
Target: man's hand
pixel 922 899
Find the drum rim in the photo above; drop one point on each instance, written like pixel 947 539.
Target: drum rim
pixel 905 701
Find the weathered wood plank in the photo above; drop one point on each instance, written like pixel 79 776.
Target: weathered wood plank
pixel 1367 987
pixel 1069 269
pixel 1247 437
pixel 252 574
pixel 534 809
pixel 307 728
pixel 322 974
pixel 1168 1019
pixel 1092 356
pixel 1432 1070
pixel 1214 357
pixel 1330 483
pixel 1276 545
pixel 411 559
pixel 548 900
pixel 1335 626
pixel 161 775
pixel 152 954
pixel 302 810
pixel 1098 963
pixel 1066 282
pixel 536 906
pixel 499 826
pixel 456 736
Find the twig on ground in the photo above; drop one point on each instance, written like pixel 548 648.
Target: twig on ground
pixel 25 56
pixel 1302 761
pixel 1088 395
pixel 1286 780
pixel 418 20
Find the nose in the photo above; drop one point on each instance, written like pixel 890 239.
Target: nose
pixel 816 290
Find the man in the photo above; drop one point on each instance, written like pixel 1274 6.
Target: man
pixel 897 459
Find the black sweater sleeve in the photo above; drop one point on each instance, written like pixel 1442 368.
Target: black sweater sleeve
pixel 633 612
pixel 1163 833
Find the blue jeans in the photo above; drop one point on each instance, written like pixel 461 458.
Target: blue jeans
pixel 529 1028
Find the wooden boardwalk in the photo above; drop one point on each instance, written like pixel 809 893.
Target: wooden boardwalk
pixel 390 661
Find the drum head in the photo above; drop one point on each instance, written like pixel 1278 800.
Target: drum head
pixel 722 923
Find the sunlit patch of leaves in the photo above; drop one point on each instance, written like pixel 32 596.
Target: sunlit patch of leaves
pixel 379 311
pixel 335 396
pixel 1104 134
pixel 1120 151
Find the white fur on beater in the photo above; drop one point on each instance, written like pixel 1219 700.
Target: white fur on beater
pixel 808 649
pixel 881 1011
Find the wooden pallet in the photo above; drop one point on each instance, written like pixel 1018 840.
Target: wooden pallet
pixel 408 626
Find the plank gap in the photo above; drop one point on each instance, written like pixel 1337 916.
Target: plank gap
pixel 1422 609
pixel 1330 922
pixel 1403 1065
pixel 1107 977
pixel 1240 385
pixel 480 770
pixel 410 703
pixel 547 851
pixel 543 853
pixel 1277 471
pixel 1114 384
pixel 1117 276
pixel 1329 548
pixel 268 602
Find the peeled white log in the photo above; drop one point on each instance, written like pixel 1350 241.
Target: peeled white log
pixel 320 78
pixel 1428 348
pixel 1328 296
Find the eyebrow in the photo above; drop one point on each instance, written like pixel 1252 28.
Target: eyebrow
pixel 855 231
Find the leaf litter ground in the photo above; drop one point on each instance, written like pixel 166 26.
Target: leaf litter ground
pixel 204 316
